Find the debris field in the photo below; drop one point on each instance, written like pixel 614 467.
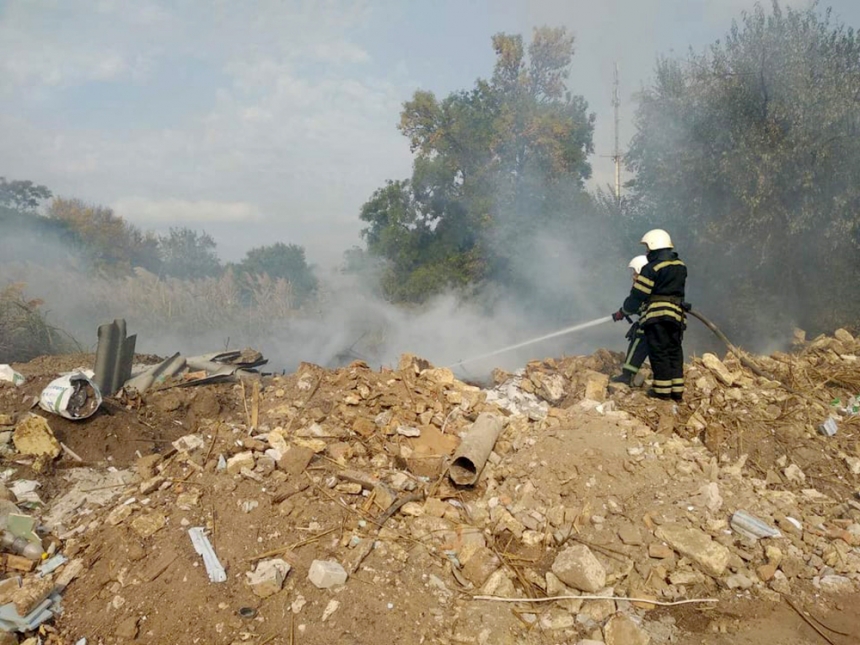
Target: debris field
pixel 318 507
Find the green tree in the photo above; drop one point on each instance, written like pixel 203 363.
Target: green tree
pixel 22 195
pixel 284 261
pixel 749 153
pixel 185 253
pixel 492 165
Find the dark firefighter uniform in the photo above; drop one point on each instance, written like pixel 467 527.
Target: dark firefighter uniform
pixel 637 350
pixel 657 295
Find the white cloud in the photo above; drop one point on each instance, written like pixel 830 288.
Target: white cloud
pixel 160 211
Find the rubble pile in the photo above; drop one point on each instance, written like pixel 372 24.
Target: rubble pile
pixel 317 507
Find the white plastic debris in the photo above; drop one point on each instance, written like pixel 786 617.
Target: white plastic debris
pixel 210 560
pixel 752 527
pixel 10 375
pixel 829 427
pixel 73 396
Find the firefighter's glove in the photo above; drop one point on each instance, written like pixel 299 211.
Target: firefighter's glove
pixel 619 315
pixel 686 306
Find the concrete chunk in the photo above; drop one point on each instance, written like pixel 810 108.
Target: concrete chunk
pixel 268 578
pixel 577 567
pixel 712 556
pixel 621 630
pixel 237 462
pixel 325 574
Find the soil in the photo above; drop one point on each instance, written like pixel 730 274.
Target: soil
pixel 609 473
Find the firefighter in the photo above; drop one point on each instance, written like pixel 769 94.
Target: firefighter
pixel 657 296
pixel 637 350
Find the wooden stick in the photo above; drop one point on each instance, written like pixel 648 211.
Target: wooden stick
pixel 808 621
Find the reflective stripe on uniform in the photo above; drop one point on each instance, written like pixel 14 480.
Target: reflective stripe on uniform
pixel 668 263
pixel 627 366
pixel 642 288
pixel 658 383
pixel 662 390
pixel 677 385
pixel 645 281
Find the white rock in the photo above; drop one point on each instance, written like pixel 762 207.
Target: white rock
pixel 189 443
pixel 577 567
pixel 712 556
pixel 325 574
pixel 330 608
pixel 794 474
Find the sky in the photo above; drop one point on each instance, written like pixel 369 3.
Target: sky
pixel 274 120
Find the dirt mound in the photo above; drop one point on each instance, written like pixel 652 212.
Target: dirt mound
pixel 590 491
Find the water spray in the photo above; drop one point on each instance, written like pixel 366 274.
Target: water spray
pixel 510 348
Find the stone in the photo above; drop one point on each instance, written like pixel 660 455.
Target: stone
pixel 780 584
pixel 552 387
pixel 119 515
pixel 127 628
pixel 330 608
pixel 738 581
pixel 577 567
pixel 146 466
pixel 588 641
pixel 364 427
pixel 148 524
pixel 853 464
pixel 480 566
pixel 33 436
pixel 595 386
pixel 660 551
pixel 843 336
pixel 268 577
pixel 237 462
pixel 325 574
pixel 712 556
pixel 718 368
pixel 709 497
pixel 189 443
pixel 294 461
pixel 621 630
pixel 836 584
pixel 766 572
pixel 435 507
pixel 598 610
pixel 794 474
pixel 630 535
pixel 556 619
pixel 151 485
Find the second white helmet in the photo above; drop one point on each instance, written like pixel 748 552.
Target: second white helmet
pixel 637 263
pixel 657 239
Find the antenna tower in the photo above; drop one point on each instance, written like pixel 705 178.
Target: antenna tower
pixel 616 156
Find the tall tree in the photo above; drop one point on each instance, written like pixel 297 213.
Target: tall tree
pixel 492 166
pixel 22 195
pixel 185 253
pixel 749 153
pixel 284 261
pixel 110 243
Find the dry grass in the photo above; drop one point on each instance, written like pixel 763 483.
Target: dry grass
pixel 24 330
pixel 246 308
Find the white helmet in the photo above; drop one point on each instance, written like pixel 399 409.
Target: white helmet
pixel 637 263
pixel 657 239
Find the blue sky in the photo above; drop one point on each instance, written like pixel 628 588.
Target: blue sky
pixel 274 120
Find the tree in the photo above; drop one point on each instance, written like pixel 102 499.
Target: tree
pixel 749 153
pixel 109 242
pixel 493 165
pixel 185 253
pixel 284 261
pixel 22 195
